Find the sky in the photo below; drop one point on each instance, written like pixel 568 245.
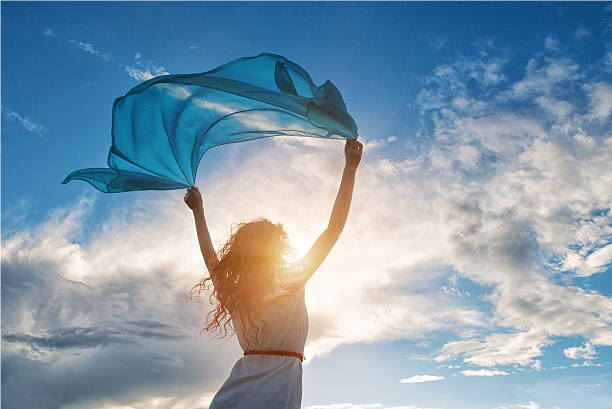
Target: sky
pixel 474 270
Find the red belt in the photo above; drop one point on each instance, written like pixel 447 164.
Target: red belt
pixel 282 353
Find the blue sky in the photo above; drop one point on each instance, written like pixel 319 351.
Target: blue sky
pixel 481 213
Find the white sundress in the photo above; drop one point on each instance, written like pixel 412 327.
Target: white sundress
pixel 269 381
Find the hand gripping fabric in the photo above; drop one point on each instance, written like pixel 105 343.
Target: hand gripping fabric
pixel 163 126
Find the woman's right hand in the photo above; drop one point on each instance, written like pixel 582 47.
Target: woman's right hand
pixel 352 153
pixel 193 199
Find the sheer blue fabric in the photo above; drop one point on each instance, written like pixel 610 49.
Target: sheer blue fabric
pixel 163 126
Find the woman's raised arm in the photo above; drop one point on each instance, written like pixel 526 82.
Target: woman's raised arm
pixel 193 199
pixel 323 245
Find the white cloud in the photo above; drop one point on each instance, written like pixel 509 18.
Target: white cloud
pixel 347 406
pixel 80 312
pixel 586 351
pixel 81 45
pixel 600 99
pixel 49 33
pixel 438 42
pixel 422 378
pixel 534 193
pixel 151 402
pixel 585 265
pixel 144 69
pixel 484 372
pixel 89 48
pixel 543 78
pixel 361 406
pixel 146 74
pixel 496 349
pixel 551 43
pixel 555 107
pixel 378 143
pixel 24 121
pixel 581 33
pixel 528 405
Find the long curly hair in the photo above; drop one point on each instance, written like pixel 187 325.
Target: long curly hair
pixel 248 262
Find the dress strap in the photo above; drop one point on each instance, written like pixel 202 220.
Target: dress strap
pixel 272 352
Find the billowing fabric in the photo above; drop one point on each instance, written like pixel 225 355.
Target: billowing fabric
pixel 163 126
pixel 269 381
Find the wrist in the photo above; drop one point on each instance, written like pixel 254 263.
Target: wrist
pixel 198 211
pixel 350 168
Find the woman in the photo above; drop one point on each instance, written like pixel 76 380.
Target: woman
pixel 262 298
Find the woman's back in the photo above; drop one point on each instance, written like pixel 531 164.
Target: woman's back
pixel 269 381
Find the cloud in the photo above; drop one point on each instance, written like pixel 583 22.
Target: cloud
pixel 543 76
pixel 81 45
pixel 438 42
pixel 91 337
pixel 586 264
pixel 379 143
pixel 141 70
pixel 586 351
pixel 25 122
pixel 551 43
pixel 361 406
pixel 497 349
pixel 422 378
pixel 89 48
pixel 197 401
pixel 49 33
pixel 555 107
pixel 581 33
pixel 500 205
pixel 459 77
pixel 528 405
pixel 600 95
pixel 85 315
pixel 144 69
pixel 484 372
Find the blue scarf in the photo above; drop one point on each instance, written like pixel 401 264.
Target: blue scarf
pixel 163 126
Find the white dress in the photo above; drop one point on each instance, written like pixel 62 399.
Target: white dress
pixel 269 381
